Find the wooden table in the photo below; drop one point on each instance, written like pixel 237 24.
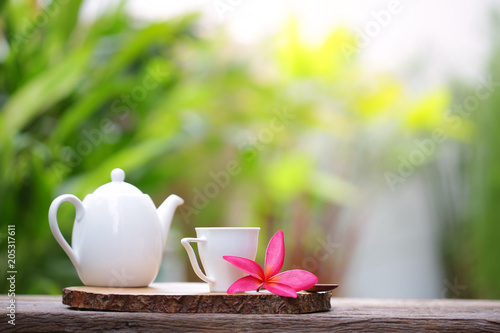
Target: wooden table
pixel 48 314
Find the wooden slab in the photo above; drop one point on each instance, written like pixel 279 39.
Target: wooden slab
pixel 48 314
pixel 191 298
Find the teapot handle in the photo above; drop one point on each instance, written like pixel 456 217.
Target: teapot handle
pixel 192 257
pixel 54 227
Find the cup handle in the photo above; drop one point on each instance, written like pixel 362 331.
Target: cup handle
pixel 54 227
pixel 192 257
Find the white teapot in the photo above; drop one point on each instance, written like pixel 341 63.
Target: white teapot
pixel 118 234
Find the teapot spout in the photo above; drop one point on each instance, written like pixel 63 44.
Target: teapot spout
pixel 166 212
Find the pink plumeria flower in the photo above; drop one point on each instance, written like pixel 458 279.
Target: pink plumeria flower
pixel 284 284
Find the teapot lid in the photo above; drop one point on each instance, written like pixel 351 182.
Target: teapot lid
pixel 117 186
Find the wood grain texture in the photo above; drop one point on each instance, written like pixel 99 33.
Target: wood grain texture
pixel 48 314
pixel 191 298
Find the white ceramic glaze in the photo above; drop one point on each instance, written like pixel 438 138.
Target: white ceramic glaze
pixel 213 244
pixel 118 234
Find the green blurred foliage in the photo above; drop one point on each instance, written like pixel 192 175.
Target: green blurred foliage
pixel 474 253
pixel 485 185
pixel 466 190
pixel 304 130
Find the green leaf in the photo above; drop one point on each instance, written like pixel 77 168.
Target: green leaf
pixel 129 159
pixel 427 112
pixel 35 97
pixel 331 188
pixel 288 176
pixel 86 104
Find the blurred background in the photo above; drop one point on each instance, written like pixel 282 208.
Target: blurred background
pixel 366 130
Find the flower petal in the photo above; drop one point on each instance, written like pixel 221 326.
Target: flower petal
pixel 246 265
pixel 246 283
pixel 275 255
pixel 297 279
pixel 280 289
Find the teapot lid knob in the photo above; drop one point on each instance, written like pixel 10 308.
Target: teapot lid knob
pixel 117 175
pixel 117 186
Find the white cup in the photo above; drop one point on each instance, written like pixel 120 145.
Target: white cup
pixel 213 244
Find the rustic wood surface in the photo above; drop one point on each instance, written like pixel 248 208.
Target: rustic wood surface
pixel 48 314
pixel 191 298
